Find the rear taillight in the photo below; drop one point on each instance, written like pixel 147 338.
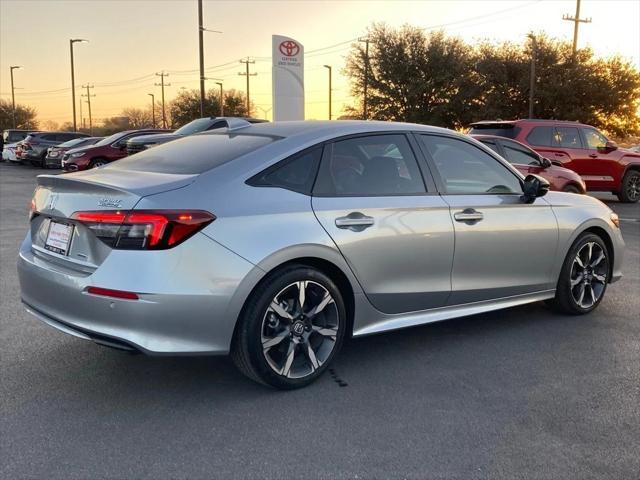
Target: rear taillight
pixel 144 229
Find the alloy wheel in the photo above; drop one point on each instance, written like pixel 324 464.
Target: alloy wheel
pixel 299 329
pixel 589 274
pixel 633 188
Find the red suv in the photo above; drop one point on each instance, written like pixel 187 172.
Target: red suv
pixel 529 161
pixel 582 148
pixel 105 151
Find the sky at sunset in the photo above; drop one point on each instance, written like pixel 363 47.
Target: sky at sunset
pixel 131 40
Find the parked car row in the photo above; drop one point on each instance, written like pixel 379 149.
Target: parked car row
pixel 572 156
pixel 581 148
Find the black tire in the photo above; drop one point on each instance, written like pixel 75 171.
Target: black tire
pixel 630 187
pixel 571 189
pixel 565 300
pixel 97 162
pixel 247 347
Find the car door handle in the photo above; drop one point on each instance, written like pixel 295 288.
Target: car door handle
pixel 593 155
pixel 468 215
pixel 355 221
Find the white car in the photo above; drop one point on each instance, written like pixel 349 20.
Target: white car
pixel 9 152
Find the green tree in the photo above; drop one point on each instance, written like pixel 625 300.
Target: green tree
pixel 25 116
pixel 413 76
pixel 433 79
pixel 186 106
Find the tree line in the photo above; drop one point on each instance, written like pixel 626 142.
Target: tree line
pixel 435 79
pixel 184 108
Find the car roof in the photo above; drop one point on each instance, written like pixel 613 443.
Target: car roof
pixel 321 128
pixel 523 120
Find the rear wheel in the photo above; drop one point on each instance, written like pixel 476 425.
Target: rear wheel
pixel 584 276
pixel 571 189
pixel 630 188
pixel 291 328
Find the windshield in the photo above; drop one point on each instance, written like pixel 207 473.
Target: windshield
pixel 109 140
pixel 192 155
pixel 199 125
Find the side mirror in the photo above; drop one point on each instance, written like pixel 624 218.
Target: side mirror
pixel 546 163
pixel 533 187
pixel 610 146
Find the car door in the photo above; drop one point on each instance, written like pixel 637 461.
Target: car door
pixel 600 166
pixel 504 247
pixel 394 230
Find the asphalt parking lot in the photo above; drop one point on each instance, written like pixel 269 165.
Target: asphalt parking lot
pixel 521 393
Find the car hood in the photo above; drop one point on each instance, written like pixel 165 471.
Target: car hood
pixel 153 139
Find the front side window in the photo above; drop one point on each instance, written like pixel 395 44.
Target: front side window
pixel 466 169
pixel 568 137
pixel 518 154
pixel 541 136
pixel 594 138
pixel 370 166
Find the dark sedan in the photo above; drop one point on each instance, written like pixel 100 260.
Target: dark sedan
pixel 55 154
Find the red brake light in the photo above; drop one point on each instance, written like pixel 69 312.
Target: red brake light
pixel 144 229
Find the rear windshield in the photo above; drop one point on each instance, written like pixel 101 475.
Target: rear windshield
pixel 13 137
pixel 504 130
pixel 193 155
pixel 199 125
pixel 74 142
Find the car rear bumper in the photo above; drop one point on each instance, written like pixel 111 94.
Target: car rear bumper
pixel 184 294
pixel 53 162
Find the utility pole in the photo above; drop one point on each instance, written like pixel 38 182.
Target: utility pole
pixel 13 96
pixel 89 95
pixel 201 31
pixel 532 77
pixel 162 84
pixel 366 76
pixel 247 74
pixel 73 80
pixel 221 99
pixel 153 109
pixel 576 22
pixel 329 67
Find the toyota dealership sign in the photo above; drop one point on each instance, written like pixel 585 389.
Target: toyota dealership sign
pixel 288 78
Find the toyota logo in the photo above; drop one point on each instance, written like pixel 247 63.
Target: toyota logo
pixel 289 48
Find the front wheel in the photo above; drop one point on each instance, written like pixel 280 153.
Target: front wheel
pixel 97 163
pixel 291 328
pixel 584 276
pixel 630 188
pixel 571 189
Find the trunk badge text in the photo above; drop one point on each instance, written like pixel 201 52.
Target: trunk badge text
pixel 110 202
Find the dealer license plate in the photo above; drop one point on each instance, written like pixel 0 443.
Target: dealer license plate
pixel 59 237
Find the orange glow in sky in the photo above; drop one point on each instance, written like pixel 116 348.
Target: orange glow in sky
pixel 129 41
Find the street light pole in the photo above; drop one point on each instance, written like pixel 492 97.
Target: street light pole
pixel 329 68
pixel 221 99
pixel 73 80
pixel 153 109
pixel 13 96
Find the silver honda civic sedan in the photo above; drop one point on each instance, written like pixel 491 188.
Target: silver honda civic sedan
pixel 273 242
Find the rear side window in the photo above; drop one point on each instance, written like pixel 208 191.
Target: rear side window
pixel 568 137
pixel 373 165
pixel 296 173
pixel 541 136
pixel 492 145
pixel 193 155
